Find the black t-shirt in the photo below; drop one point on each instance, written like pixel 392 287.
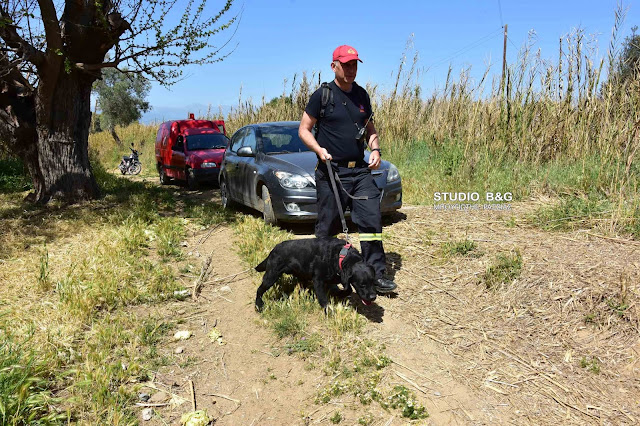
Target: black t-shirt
pixel 337 131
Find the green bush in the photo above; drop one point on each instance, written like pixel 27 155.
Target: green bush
pixel 13 176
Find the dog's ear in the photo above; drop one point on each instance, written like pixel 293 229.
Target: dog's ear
pixel 345 277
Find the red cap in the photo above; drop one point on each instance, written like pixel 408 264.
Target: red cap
pixel 345 53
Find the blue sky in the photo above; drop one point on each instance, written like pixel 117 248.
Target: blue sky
pixel 280 38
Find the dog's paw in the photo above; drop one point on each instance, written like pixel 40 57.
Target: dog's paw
pixel 259 307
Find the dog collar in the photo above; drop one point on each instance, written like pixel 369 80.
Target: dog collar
pixel 343 254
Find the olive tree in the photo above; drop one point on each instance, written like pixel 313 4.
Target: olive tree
pixel 629 62
pixel 121 98
pixel 51 53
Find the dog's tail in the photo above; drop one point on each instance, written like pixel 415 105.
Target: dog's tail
pixel 262 266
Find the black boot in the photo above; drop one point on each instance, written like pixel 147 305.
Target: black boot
pixel 384 285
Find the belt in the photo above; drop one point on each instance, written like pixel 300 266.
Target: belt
pixel 349 164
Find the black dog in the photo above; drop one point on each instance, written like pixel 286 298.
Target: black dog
pixel 319 260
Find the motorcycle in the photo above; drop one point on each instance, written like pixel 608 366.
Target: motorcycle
pixel 132 164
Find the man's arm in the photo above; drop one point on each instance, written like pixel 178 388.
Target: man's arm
pixel 304 131
pixel 374 143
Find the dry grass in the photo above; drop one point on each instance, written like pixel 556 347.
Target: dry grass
pixel 333 340
pixel 559 344
pixel 70 276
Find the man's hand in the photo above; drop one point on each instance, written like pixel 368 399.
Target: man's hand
pixel 372 141
pixel 374 160
pixel 324 155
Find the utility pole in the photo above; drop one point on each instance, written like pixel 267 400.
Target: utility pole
pixel 560 72
pixel 504 59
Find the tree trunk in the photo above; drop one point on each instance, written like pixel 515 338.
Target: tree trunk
pixel 115 137
pixel 63 170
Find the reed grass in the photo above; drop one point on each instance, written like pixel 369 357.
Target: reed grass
pixel 520 136
pixel 553 128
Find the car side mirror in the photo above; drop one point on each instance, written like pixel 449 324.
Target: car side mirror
pixel 246 151
pixel 179 144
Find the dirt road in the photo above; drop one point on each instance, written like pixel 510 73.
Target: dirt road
pixel 558 345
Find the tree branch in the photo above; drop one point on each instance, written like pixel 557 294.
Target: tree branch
pixel 51 26
pixel 11 37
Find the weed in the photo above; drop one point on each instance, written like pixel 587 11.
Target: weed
pixel 631 223
pixel 187 269
pixel 405 400
pixel 305 345
pixel 25 388
pixel 336 418
pixel 366 420
pixel 188 362
pixel 571 213
pixel 344 319
pixel 289 317
pixel 44 283
pixel 511 222
pixel 257 239
pixel 13 176
pixel 207 214
pixel 363 386
pixel 459 248
pixel 152 330
pixel 590 364
pixel 378 362
pixel 590 318
pixel 619 307
pixel 504 270
pixel 170 233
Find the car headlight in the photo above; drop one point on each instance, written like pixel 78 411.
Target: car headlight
pixel 393 174
pixel 209 165
pixel 291 181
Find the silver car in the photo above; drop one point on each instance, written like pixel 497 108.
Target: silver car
pixel 267 167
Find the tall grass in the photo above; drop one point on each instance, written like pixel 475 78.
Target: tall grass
pixel 544 112
pixel 109 153
pixel 556 126
pixel 70 339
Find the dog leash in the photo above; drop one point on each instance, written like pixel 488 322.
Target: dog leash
pixel 338 203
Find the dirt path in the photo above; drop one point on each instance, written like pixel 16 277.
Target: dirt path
pixel 471 355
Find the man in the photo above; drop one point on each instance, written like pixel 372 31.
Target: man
pixel 347 111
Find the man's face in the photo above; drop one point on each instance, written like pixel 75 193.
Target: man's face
pixel 345 72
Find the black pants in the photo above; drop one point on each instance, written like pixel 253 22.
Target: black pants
pixel 357 181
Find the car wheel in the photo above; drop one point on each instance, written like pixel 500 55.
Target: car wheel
pixel 225 199
pixel 192 183
pixel 267 209
pixel 164 179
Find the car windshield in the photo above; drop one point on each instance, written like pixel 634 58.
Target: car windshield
pixel 206 141
pixel 281 140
